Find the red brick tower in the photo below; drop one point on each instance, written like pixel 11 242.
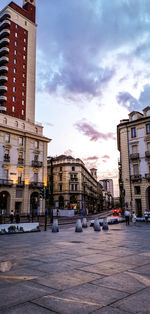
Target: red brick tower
pixel 17 60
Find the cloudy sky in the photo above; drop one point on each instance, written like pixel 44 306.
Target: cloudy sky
pixel 93 68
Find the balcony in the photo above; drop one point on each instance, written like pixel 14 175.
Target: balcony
pixel 20 161
pixel 4 60
pixel 5 16
pixel 73 180
pixel 4 51
pixel 5 24
pixel 20 184
pixel 36 185
pixel 134 156
pixel 136 178
pixel 147 176
pixel 36 163
pixel 6 158
pixel 3 88
pixel 6 182
pixel 3 69
pixel 4 42
pixel 3 79
pixel 3 109
pixel 3 98
pixel 4 33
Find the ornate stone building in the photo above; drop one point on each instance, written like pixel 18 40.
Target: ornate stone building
pixel 71 185
pixel 133 137
pixel 23 148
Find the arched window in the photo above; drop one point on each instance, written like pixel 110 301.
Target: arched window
pixel 5 121
pixel 148 113
pixel 36 130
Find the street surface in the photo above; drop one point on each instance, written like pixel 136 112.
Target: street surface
pixel 68 272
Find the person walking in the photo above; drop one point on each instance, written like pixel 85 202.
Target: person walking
pixel 146 216
pixel 127 216
pixel 134 218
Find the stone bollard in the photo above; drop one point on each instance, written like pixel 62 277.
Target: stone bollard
pixel 78 227
pixel 96 225
pixel 55 226
pixel 105 224
pixel 84 223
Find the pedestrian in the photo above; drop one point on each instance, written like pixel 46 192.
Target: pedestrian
pixel 11 216
pixel 127 216
pixel 146 216
pixel 134 218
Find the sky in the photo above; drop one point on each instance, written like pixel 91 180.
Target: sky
pixel 92 69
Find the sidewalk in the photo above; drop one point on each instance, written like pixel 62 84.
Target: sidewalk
pixel 68 272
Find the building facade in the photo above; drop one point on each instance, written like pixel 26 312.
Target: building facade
pixel 133 136
pixel 23 148
pixel 71 185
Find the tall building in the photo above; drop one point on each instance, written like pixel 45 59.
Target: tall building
pixel 108 185
pixel 71 185
pixel 133 136
pixel 23 148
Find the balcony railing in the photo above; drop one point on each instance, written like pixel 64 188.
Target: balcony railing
pixel 6 15
pixel 73 179
pixel 20 161
pixel 4 51
pixel 147 176
pixel 3 88
pixel 36 185
pixel 3 69
pixel 3 109
pixel 4 60
pixel 6 182
pixel 134 156
pixel 3 79
pixel 136 177
pixel 5 32
pixel 4 42
pixel 3 98
pixel 6 158
pixel 20 184
pixel 36 163
pixel 5 24
pixel 147 154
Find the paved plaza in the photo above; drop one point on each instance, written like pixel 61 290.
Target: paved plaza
pixel 68 272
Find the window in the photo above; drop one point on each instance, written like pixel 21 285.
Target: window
pixel 15 70
pixel 14 99
pixel 16 124
pixel 24 48
pixel 16 35
pixel 15 52
pixel 15 61
pixel 36 130
pixel 6 174
pixel 15 43
pixel 23 75
pixel 60 177
pixel 23 93
pixel 133 117
pixel 19 177
pixel 23 126
pixel 148 113
pixel 24 57
pixel 73 168
pixel 147 128
pixel 148 147
pixel 14 89
pixel 4 121
pixel 36 144
pixel 7 138
pixel 14 80
pixel 24 66
pixel 137 190
pixel 23 84
pixel 25 40
pixel 60 187
pixel 20 141
pixel 13 109
pixel 25 22
pixel 72 187
pixel 22 102
pixel 22 112
pixel 76 187
pixel 134 149
pixel 36 177
pixel 135 169
pixel 36 157
pixel 133 132
pixel 25 32
pixel 60 168
pixel 16 25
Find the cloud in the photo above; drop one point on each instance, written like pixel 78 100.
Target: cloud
pixel 144 98
pixel 125 99
pixel 69 152
pixel 89 131
pixel 91 158
pixel 106 157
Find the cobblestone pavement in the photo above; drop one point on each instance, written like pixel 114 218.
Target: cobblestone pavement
pixel 69 272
